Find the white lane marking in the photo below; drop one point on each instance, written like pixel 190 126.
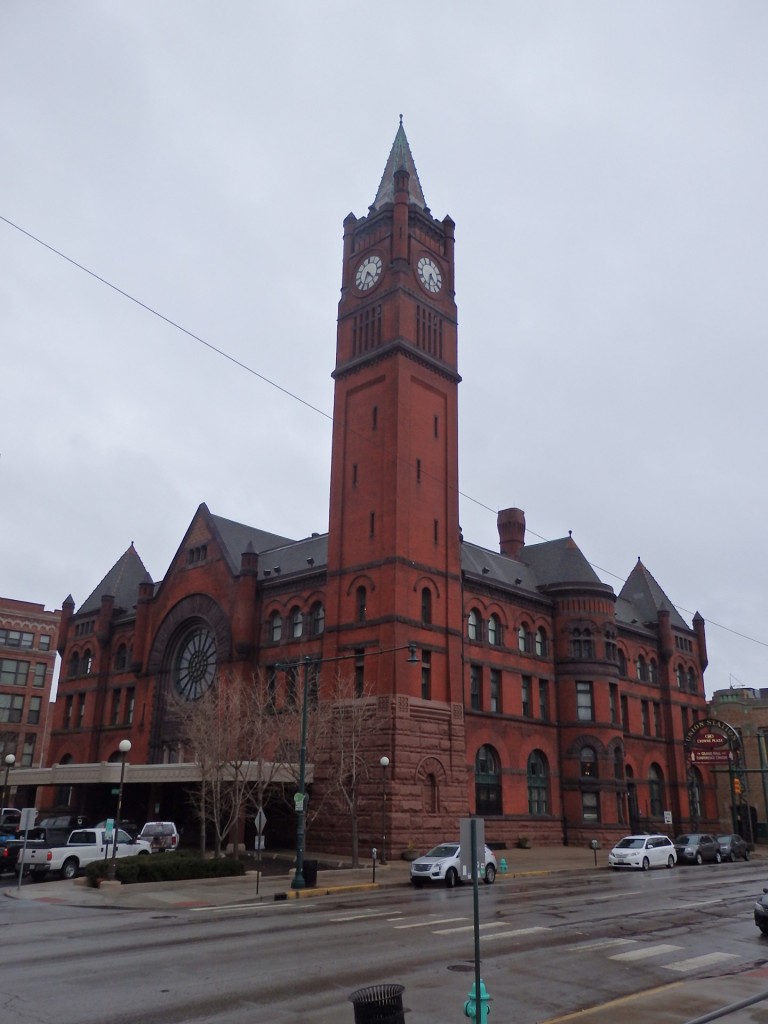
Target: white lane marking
pixel 365 913
pixel 229 906
pixel 514 934
pixel 697 962
pixel 698 903
pixel 428 924
pixel 602 944
pixel 646 953
pixel 613 896
pixel 468 928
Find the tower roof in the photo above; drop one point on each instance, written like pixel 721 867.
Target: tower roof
pixel 647 597
pixel 121 582
pixel 400 159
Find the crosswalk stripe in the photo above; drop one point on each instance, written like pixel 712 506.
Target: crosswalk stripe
pixel 697 962
pixel 468 928
pixel 428 924
pixel 646 953
pixel 603 944
pixel 513 934
pixel 366 913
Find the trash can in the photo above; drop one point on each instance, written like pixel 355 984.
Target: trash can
pixel 379 1004
pixel 310 874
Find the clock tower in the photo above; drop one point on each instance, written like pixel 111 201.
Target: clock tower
pixel 393 545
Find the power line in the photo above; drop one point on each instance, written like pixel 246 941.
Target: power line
pixel 294 396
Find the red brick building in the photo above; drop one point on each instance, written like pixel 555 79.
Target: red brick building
pixel 537 697
pixel 28 640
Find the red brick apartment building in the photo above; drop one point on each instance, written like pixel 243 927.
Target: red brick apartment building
pixel 507 683
pixel 28 641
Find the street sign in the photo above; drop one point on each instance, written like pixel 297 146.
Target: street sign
pixel 298 802
pixel 27 820
pixel 109 827
pixel 260 820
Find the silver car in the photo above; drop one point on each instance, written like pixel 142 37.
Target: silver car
pixel 442 864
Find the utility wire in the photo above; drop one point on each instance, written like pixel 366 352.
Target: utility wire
pixel 293 395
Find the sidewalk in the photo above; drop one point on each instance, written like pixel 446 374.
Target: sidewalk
pixel 253 887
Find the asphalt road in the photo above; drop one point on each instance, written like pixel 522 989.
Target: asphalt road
pixel 549 947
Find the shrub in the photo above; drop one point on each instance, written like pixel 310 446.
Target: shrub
pixel 164 867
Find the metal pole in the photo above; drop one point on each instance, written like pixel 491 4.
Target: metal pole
pixel 298 878
pixel 384 762
pixel 125 746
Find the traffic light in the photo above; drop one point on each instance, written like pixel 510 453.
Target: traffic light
pixel 737 786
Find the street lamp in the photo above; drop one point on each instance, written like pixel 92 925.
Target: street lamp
pixel 10 761
pixel 384 762
pixel 124 747
pixel 300 798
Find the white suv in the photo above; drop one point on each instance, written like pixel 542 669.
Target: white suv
pixel 163 836
pixel 442 864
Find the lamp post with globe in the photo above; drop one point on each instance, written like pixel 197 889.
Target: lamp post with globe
pixel 124 747
pixel 9 761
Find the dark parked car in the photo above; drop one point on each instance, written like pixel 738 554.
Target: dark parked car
pixel 732 847
pixel 696 848
pixel 761 913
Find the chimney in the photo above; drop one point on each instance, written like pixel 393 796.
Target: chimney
pixel 511 524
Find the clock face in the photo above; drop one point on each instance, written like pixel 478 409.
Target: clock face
pixel 194 667
pixel 429 274
pixel 368 273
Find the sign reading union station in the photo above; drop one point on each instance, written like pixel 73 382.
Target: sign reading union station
pixel 711 741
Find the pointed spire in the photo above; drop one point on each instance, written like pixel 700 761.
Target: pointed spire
pixel 400 159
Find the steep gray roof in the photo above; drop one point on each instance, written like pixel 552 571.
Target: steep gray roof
pixel 558 561
pixel 647 598
pixel 235 538
pixel 121 582
pixel 400 158
pixel 296 556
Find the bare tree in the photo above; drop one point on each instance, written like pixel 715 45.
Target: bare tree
pixel 350 722
pixel 233 731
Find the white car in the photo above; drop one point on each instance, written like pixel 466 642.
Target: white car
pixel 643 852
pixel 442 864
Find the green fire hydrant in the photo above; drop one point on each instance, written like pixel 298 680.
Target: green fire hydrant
pixel 470 1007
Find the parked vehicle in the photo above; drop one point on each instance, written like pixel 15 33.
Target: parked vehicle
pixel 696 848
pixel 732 847
pixel 127 826
pixel 81 848
pixel 163 836
pixel 9 820
pixel 442 864
pixel 643 852
pixel 761 912
pixel 11 847
pixel 57 827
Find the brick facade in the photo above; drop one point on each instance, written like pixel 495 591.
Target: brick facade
pixel 537 696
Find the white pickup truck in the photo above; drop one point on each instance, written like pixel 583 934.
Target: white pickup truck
pixel 84 846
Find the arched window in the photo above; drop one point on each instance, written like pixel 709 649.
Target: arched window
pixel 121 657
pixel 622 663
pixel 642 669
pixel 487 781
pixel 541 642
pixel 538 783
pixel 694 793
pixel 494 630
pixel 474 625
pixel 316 618
pixel 297 622
pixel 653 671
pixel 680 676
pixel 692 680
pixel 74 664
pixel 656 791
pixel 361 602
pixel 431 794
pixel 524 638
pixel 426 606
pixel 86 665
pixel 581 643
pixel 275 627
pixel 588 763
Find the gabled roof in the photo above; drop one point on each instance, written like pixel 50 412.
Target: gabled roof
pixel 558 561
pixel 121 582
pixel 400 158
pixel 295 556
pixel 648 599
pixel 236 538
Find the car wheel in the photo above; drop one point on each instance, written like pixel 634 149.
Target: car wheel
pixel 451 878
pixel 670 861
pixel 69 868
pixel 718 858
pixel 646 864
pixel 746 855
pixel 490 874
pixel 698 859
pixel 763 928
pixel 143 853
pixel 730 857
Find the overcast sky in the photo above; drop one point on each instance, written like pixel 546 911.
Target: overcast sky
pixel 606 164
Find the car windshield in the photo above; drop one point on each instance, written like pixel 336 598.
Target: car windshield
pixel 725 839
pixel 631 843
pixel 443 850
